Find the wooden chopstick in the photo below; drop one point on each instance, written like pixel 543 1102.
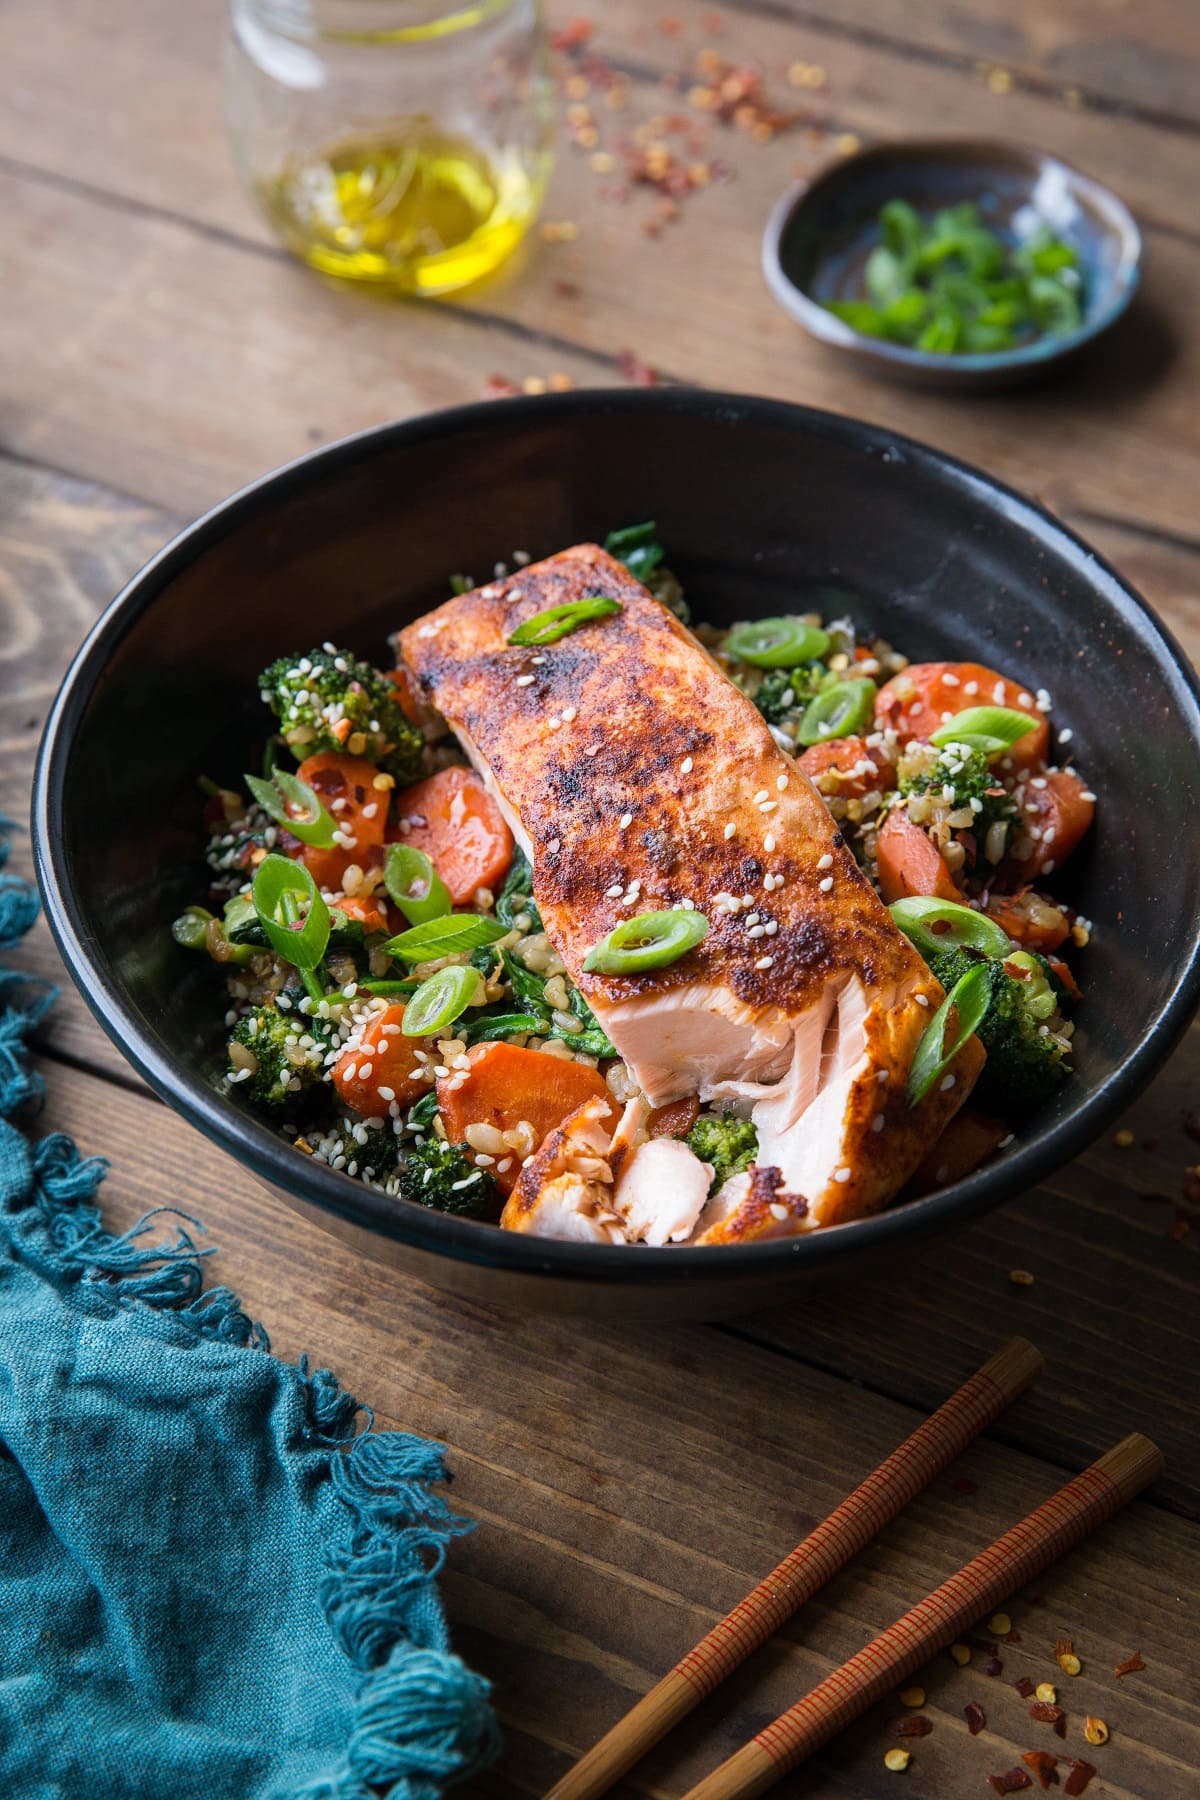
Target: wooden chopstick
pixel 1048 1533
pixel 813 1562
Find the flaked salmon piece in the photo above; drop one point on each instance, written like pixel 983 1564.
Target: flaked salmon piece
pixel 751 1208
pixel 661 1192
pixel 637 777
pixel 565 1189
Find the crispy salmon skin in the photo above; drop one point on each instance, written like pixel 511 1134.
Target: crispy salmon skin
pixel 638 777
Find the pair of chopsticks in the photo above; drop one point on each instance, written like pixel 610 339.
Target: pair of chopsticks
pixel 936 1622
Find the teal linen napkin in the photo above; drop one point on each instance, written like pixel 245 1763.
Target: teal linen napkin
pixel 209 1586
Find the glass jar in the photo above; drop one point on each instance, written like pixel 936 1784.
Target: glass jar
pixel 400 142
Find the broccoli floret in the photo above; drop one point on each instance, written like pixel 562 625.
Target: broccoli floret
pixel 312 695
pixel 1025 1058
pixel 726 1143
pixel 782 692
pixel 961 776
pixel 278 1071
pixel 443 1176
pixel 362 1147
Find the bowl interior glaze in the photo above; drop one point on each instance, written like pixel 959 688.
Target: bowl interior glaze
pixel 765 508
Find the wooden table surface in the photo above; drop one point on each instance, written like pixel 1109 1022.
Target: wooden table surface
pixel 159 350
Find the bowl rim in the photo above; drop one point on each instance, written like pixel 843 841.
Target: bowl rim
pixel 275 1161
pixel 1041 352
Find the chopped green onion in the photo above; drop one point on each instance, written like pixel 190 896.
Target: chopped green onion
pixel 990 729
pixel 440 1000
pixel 387 988
pixel 488 1028
pixel 282 790
pixel 919 916
pixel 637 547
pixel 445 937
pixel 191 928
pixel 650 941
pixel 415 885
pixel 969 1000
pixel 777 643
pixel 281 888
pixel 559 621
pixel 838 711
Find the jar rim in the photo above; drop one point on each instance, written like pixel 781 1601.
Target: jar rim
pixel 352 21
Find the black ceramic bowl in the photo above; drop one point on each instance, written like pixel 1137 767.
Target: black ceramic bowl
pixel 765 508
pixel 819 235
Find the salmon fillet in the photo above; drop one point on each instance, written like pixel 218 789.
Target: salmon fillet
pixel 637 777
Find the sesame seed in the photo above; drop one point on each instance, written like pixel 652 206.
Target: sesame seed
pixel 761 795
pixel 614 892
pixel 764 962
pixel 771 927
pixel 841 1174
pixel 625 821
pixel 825 862
pixel 825 884
pixel 751 919
pixel 949 680
pixel 881 1076
pixel 948 1082
pixel 1065 735
pixel 781 782
pixel 1025 699
pixel 1087 794
pixel 921 999
pixel 769 841
pixel 730 829
pixel 686 766
pixel 778 1212
pixel 768 805
pixel 539 659
pixel 554 845
pixel 554 722
pixel 526 680
pixel 592 750
pixel 878 1122
pixel 570 714
pixel 757 931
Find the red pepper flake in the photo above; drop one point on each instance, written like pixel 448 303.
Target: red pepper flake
pixel 1080 1774
pixel 964 1485
pixel 993 1666
pixel 634 369
pixel 913 1726
pixel 975 1716
pixel 572 36
pixel 499 387
pixel 1012 1783
pixel 1048 1714
pixel 1025 1687
pixel 1131 1665
pixel 1043 1765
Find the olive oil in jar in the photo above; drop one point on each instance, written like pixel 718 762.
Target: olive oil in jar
pixel 420 210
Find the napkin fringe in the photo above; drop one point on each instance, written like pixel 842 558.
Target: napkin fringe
pixel 423 1719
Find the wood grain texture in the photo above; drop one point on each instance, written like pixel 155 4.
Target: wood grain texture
pixel 630 1484
pixel 1127 55
pixel 188 309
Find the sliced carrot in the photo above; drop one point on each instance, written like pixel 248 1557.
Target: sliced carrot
pixel 1029 919
pixel 1064 812
pixel 968 1140
pixel 370 910
pixel 675 1119
pixel 507 1085
pixel 454 820
pixel 914 704
pixel 335 776
pixel 910 862
pixel 1063 974
pixel 382 1059
pixel 850 769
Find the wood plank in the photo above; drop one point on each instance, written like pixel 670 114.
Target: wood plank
pixel 138 78
pixel 631 1483
pixel 1124 56
pixel 66 547
pixel 262 360
pixel 1126 441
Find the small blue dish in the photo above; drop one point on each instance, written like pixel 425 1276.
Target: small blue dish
pixel 820 233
